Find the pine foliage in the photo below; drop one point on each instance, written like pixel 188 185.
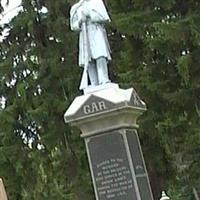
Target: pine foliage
pixel 156 48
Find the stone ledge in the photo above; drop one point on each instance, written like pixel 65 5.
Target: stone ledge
pixel 103 102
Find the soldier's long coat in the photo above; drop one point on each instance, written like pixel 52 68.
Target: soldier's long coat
pixel 96 34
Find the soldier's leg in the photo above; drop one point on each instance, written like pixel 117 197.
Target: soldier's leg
pixel 92 72
pixel 102 70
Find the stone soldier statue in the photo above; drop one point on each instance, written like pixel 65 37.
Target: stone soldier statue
pixel 88 17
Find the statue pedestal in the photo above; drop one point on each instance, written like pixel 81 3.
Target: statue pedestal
pixel 107 119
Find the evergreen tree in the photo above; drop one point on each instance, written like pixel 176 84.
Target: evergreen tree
pixel 39 80
pixel 155 47
pixel 158 55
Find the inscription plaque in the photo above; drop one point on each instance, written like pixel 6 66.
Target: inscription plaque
pixel 111 170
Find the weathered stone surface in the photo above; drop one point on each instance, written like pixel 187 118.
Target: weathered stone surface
pixel 135 151
pixel 139 165
pixel 108 122
pixel 117 166
pixel 110 166
pixel 94 105
pixel 103 101
pixel 135 100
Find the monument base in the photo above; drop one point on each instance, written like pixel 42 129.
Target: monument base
pixel 117 166
pixel 107 119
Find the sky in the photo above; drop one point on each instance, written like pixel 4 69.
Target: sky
pixel 10 11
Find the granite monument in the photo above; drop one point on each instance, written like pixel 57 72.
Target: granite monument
pixel 106 114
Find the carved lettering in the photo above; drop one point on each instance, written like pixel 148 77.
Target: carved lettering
pixel 86 109
pixel 94 107
pixel 113 179
pixel 102 105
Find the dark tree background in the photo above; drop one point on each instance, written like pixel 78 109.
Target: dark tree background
pixel 156 49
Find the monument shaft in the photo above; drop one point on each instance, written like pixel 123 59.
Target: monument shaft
pixel 107 119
